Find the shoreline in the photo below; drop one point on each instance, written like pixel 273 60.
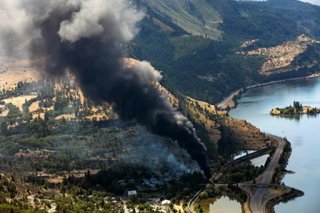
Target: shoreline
pixel 229 102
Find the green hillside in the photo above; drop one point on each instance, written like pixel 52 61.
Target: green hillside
pixel 209 69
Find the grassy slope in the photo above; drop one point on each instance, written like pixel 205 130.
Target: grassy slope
pixel 195 17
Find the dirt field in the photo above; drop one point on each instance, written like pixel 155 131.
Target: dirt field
pixel 12 71
pixel 19 101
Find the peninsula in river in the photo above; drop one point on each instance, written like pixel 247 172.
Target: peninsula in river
pixel 295 109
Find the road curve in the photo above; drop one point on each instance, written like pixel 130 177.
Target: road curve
pixel 228 102
pixel 257 200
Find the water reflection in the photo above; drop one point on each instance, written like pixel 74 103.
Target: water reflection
pixel 297 117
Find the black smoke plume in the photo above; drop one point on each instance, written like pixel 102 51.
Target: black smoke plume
pixel 91 48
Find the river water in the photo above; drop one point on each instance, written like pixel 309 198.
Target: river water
pixel 259 161
pixel 303 132
pixel 225 205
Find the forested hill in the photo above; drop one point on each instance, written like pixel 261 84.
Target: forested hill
pixel 201 45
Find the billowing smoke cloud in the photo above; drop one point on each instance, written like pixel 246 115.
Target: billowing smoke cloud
pixel 14 22
pixel 86 37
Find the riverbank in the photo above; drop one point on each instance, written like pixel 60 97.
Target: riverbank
pixel 292 194
pixel 302 171
pixel 230 102
pixel 267 193
pixel 239 191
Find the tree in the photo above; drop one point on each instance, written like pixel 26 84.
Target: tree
pixel 297 105
pixel 4 128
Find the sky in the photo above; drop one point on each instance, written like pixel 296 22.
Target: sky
pixel 317 2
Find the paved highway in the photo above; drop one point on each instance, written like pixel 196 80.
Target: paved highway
pixel 228 101
pixel 257 199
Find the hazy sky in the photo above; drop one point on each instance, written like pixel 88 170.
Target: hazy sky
pixel 317 2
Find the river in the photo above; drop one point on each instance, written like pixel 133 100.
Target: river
pixel 225 205
pixel 303 132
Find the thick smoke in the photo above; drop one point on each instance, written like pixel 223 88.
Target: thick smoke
pixel 86 38
pixel 14 22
